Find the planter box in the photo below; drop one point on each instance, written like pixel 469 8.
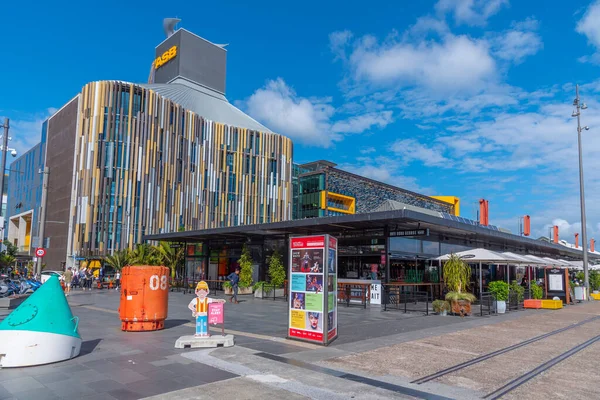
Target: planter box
pixel 532 304
pixel 461 307
pixel 258 293
pixel 241 291
pixel 552 304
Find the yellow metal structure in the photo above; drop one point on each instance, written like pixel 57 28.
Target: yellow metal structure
pixel 455 201
pixel 595 296
pixel 343 204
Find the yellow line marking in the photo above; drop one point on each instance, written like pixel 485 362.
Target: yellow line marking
pixel 231 331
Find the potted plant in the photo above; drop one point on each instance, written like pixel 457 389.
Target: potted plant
pixel 456 278
pixel 441 307
pixel 536 291
pixel 499 290
pixel 245 283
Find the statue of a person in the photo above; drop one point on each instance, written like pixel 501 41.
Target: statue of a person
pixel 199 308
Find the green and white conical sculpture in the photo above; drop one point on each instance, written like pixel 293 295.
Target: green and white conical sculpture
pixel 41 330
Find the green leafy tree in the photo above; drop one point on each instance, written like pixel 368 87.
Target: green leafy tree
pixel 170 257
pixel 245 262
pixel 119 259
pixel 11 249
pixel 145 254
pixel 6 260
pixel 276 269
pixel 457 274
pixel 594 279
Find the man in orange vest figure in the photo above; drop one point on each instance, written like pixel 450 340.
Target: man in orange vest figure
pixel 199 308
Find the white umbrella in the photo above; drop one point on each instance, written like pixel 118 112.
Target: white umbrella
pixel 537 259
pixel 478 255
pixel 521 259
pixel 557 263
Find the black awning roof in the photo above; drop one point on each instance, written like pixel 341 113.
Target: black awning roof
pixel 355 223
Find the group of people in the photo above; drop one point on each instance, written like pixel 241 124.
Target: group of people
pixel 83 278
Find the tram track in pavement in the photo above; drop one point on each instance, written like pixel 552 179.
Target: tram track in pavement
pixel 515 383
pixel 504 350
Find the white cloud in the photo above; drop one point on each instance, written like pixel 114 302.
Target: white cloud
pixel 361 123
pixel 26 130
pixel 470 12
pixel 411 150
pixel 589 25
pixel 313 121
pixel 519 42
pixel 368 150
pixel 455 63
pixel 383 169
pixel 338 41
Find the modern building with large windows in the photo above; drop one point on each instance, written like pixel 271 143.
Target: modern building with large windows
pixel 127 160
pixel 324 190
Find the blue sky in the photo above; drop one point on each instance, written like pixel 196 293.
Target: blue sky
pixel 454 97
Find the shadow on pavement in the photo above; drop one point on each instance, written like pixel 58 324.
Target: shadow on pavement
pixel 172 323
pixel 89 346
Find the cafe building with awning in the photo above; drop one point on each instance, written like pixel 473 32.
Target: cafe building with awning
pixel 396 245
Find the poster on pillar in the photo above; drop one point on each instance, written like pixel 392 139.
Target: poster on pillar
pixel 312 272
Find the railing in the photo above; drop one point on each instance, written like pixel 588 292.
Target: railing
pixel 356 293
pixel 400 298
pixel 487 305
pixel 189 285
pixel 270 291
pixel 24 250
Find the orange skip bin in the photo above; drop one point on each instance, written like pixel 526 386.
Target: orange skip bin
pixel 144 298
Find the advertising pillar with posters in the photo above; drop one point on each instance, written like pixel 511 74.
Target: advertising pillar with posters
pixel 313 289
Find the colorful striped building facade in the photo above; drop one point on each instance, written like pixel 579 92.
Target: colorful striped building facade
pixel 144 164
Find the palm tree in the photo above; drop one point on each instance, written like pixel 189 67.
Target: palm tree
pixel 170 257
pixel 145 254
pixel 119 259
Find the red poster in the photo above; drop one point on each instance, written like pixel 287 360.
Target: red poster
pixel 307 242
pixel 307 335
pixel 215 313
pixel 332 243
pixel 332 333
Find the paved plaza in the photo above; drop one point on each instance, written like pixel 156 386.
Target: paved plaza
pixel 379 355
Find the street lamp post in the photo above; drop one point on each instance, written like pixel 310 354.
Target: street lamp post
pixel 577 113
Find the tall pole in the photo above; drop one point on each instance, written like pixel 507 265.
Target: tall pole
pixel 4 151
pixel 45 173
pixel 582 195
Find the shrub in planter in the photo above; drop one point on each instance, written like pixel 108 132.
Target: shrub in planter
pixel 518 291
pixel 499 290
pixel 276 270
pixel 461 302
pixel 536 291
pixel 245 262
pixel 440 306
pixel 457 274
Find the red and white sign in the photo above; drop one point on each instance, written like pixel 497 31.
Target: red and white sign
pixel 317 336
pixel 40 252
pixel 332 243
pixel 332 333
pixel 307 242
pixel 215 313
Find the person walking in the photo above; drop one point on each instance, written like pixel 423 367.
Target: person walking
pixel 82 281
pixel 117 280
pixel 68 280
pixel 234 279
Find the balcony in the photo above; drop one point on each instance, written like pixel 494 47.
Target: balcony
pixel 24 250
